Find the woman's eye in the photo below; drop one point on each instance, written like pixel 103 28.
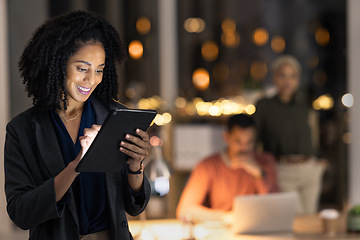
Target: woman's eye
pixel 81 69
pixel 99 71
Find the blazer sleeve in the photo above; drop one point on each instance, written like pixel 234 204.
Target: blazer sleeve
pixel 135 203
pixel 28 203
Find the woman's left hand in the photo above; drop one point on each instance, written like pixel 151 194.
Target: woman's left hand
pixel 137 149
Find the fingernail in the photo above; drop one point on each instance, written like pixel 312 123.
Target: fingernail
pixel 122 143
pixel 127 136
pixel 138 130
pixel 121 148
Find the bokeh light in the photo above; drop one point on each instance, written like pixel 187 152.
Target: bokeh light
pixel 260 36
pixel 143 25
pixel 347 100
pixel 250 109
pixel 180 102
pixel 209 51
pixel 230 39
pixel 324 102
pixel 201 79
pixel 278 44
pixel 194 25
pixel 322 36
pixel 136 49
pixel 228 26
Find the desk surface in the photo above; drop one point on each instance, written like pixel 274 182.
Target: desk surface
pixel 308 227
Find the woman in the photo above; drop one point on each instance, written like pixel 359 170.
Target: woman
pixel 284 130
pixel 68 68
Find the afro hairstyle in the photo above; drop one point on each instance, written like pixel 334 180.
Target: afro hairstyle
pixel 43 62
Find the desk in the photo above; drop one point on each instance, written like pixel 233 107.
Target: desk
pixel 308 227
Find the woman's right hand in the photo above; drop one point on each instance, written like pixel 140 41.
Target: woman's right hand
pixel 87 139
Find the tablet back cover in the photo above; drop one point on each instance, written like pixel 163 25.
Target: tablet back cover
pixel 104 154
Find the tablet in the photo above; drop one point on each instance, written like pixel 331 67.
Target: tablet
pixel 103 154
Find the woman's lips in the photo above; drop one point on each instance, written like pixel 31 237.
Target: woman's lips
pixel 83 90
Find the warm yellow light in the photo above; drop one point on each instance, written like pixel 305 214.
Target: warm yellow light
pixel 197 100
pixel 194 25
pixel 167 117
pixel 228 26
pixel 143 25
pixel 278 44
pixel 260 36
pixel 258 70
pixel 159 120
pixel 209 51
pixel 324 102
pixel 231 39
pixel 201 79
pixel 143 103
pixel 347 100
pixel 250 109
pixel 322 36
pixel 180 102
pixel 214 111
pixel 190 109
pixel 136 49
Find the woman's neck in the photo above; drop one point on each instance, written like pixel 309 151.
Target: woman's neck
pixel 71 110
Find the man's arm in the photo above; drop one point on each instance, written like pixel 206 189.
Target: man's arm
pixel 194 195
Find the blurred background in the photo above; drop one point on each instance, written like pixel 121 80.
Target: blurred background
pixel 197 62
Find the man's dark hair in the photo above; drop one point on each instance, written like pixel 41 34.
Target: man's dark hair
pixel 240 120
pixel 43 62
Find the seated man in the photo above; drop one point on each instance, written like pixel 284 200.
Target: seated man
pixel 238 170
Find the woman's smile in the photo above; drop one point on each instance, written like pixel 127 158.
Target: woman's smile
pixel 83 90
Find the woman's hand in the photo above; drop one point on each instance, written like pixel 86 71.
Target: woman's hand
pixel 137 149
pixel 87 139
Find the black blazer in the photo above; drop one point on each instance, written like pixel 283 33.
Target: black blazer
pixel 33 158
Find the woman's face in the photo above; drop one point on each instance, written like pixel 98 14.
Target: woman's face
pixel 84 72
pixel 286 79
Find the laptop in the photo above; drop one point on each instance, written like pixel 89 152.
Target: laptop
pixel 264 213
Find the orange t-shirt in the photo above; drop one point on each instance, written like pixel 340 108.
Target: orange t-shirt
pixel 213 184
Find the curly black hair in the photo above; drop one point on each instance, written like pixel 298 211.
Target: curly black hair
pixel 43 62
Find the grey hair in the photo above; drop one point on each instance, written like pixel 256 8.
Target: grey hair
pixel 285 60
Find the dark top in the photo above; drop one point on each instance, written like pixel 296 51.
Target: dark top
pixel 88 188
pixel 283 128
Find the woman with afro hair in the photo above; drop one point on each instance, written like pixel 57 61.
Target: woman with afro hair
pixel 69 69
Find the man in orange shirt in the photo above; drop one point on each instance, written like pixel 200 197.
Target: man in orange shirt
pixel 238 170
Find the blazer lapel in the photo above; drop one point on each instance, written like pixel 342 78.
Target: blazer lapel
pixel 50 152
pixel 48 144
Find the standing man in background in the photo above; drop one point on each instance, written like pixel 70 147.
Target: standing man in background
pixel 284 130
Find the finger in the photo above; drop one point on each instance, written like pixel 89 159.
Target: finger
pixel 142 134
pixel 90 132
pixel 131 154
pixel 137 141
pixel 96 127
pixel 134 148
pixel 85 141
